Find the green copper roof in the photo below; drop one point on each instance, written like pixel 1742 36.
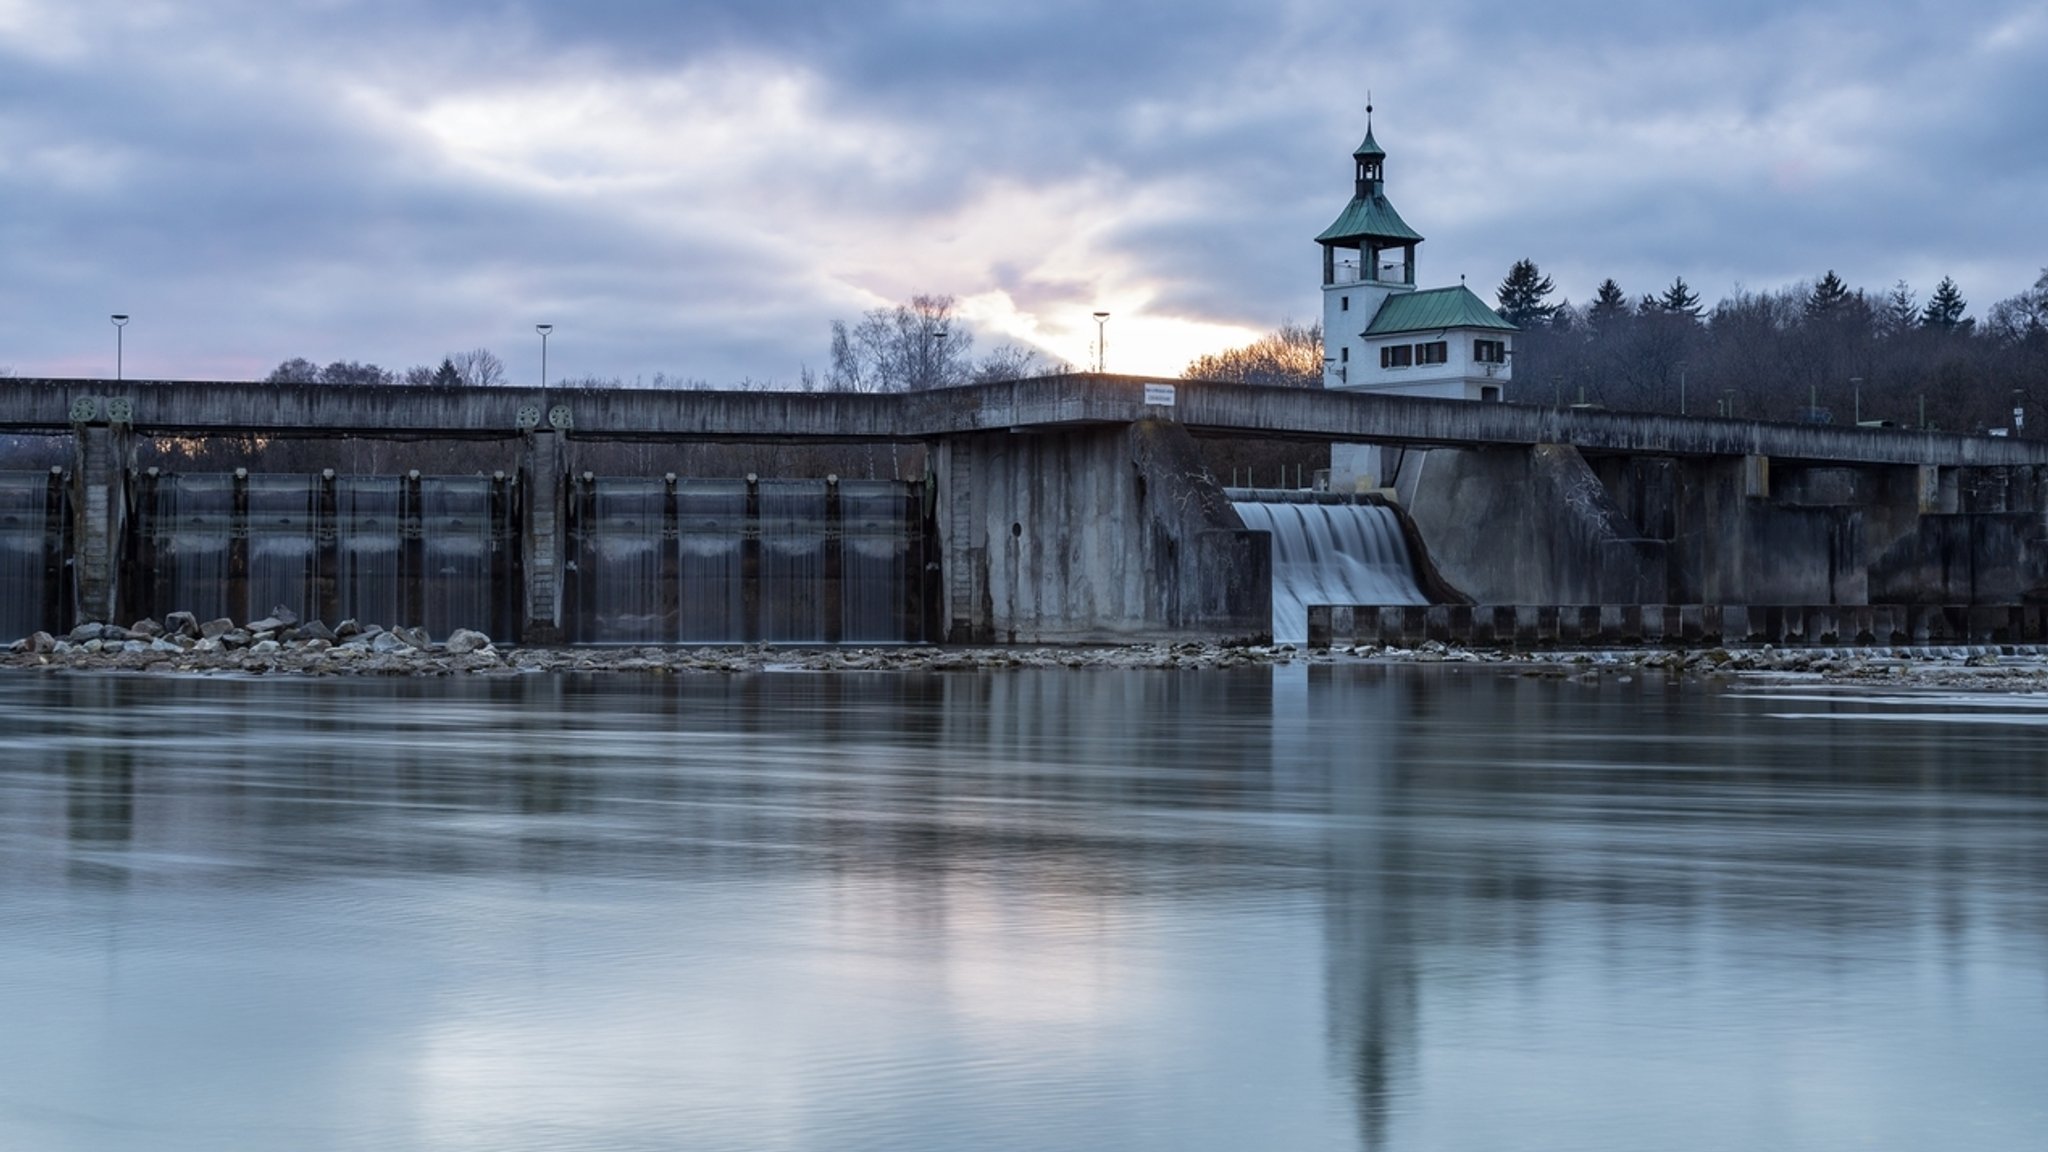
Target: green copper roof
pixel 1434 309
pixel 1369 216
pixel 1371 147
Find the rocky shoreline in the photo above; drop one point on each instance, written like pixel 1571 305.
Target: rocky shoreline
pixel 283 645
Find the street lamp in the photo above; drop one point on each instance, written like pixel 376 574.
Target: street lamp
pixel 1101 342
pixel 120 320
pixel 937 372
pixel 1681 387
pixel 1856 391
pixel 543 329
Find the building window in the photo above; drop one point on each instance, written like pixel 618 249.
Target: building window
pixel 1397 356
pixel 1435 352
pixel 1344 355
pixel 1343 303
pixel 1490 351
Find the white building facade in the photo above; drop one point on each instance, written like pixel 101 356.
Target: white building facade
pixel 1382 334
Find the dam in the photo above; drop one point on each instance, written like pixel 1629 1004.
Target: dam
pixel 1070 509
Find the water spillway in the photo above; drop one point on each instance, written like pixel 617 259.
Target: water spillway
pixel 429 551
pixel 31 551
pixel 725 561
pixel 1331 553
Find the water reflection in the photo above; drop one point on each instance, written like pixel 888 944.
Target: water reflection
pixel 1331 906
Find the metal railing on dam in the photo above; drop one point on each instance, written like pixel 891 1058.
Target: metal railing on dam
pixel 1205 408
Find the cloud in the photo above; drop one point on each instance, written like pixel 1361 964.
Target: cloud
pixel 700 188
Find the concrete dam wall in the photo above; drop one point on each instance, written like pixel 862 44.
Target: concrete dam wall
pixel 1065 510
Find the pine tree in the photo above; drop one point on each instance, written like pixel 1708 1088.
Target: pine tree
pixel 1610 306
pixel 1945 308
pixel 1522 294
pixel 1827 297
pixel 1900 312
pixel 1680 300
pixel 446 376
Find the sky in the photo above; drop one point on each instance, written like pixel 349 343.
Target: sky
pixel 699 189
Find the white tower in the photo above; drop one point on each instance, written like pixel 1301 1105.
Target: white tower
pixel 1368 256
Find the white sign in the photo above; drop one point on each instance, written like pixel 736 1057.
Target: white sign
pixel 1160 394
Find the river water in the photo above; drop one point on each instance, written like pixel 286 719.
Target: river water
pixel 1329 907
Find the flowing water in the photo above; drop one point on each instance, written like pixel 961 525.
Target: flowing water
pixel 1331 554
pixel 24 535
pixel 1333 907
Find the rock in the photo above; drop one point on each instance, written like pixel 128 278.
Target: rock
pixel 270 624
pixel 87 632
pixel 412 637
pixel 347 628
pixel 207 644
pixel 236 638
pixel 182 624
pixel 134 646
pixel 315 630
pixel 159 644
pixel 284 616
pixel 385 643
pixel 145 629
pixel 215 629
pixel 316 644
pixel 463 641
pixel 265 647
pixel 41 642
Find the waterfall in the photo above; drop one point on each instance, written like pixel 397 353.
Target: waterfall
pixel 731 561
pixel 190 530
pixel 366 539
pixel 1331 554
pixel 455 545
pixel 282 561
pixel 24 528
pixel 878 569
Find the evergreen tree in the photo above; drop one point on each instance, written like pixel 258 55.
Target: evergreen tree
pixel 446 376
pixel 1900 312
pixel 1945 308
pixel 1827 298
pixel 1680 300
pixel 1522 294
pixel 1610 305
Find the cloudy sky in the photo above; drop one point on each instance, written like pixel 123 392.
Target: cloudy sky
pixel 699 188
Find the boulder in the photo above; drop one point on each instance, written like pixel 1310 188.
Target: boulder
pixel 463 641
pixel 41 642
pixel 315 630
pixel 86 632
pixel 284 616
pixel 347 628
pixel 182 624
pixel 270 624
pixel 145 629
pixel 215 629
pixel 236 638
pixel 412 637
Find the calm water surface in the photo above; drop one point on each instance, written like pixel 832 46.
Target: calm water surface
pixel 1306 908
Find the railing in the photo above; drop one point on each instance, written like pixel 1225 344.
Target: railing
pixel 1346 272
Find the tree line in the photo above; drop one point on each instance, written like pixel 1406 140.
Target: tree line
pixel 1820 351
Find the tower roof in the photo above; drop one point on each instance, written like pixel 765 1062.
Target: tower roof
pixel 1370 146
pixel 1433 309
pixel 1369 217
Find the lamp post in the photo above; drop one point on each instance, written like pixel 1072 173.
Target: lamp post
pixel 1101 342
pixel 1856 393
pixel 937 372
pixel 543 329
pixel 120 320
pixel 2019 411
pixel 1681 387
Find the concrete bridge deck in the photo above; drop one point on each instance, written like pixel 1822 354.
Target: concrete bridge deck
pixel 156 407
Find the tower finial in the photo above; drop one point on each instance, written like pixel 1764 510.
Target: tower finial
pixel 1368 109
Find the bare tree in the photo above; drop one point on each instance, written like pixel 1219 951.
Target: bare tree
pixel 478 368
pixel 1290 356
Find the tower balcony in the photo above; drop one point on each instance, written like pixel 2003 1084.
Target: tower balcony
pixel 1391 272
